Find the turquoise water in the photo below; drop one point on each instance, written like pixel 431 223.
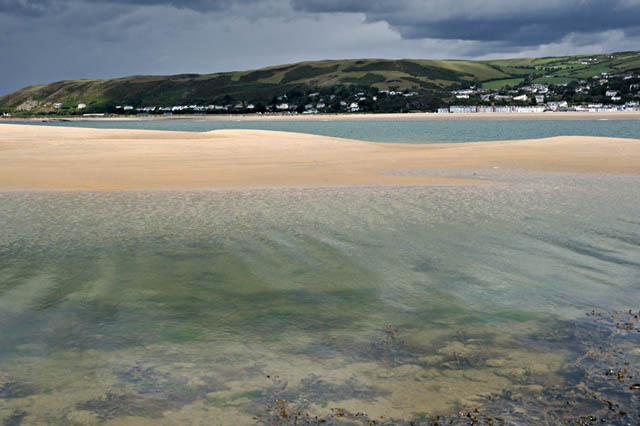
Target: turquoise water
pixel 203 307
pixel 405 131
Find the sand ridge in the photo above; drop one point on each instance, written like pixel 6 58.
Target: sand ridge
pixel 47 157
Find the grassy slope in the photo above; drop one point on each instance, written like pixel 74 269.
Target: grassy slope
pixel 262 85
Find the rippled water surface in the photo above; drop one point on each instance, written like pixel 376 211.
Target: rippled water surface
pixel 404 131
pixel 203 307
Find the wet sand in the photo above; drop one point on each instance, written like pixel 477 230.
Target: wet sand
pixel 41 157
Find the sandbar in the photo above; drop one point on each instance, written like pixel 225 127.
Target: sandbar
pixel 65 158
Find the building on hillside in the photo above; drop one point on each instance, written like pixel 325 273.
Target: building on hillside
pixel 82 106
pixel 57 105
pixel 611 93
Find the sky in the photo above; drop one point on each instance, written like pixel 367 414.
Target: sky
pixel 42 41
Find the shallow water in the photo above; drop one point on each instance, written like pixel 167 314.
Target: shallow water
pixel 203 307
pixel 405 131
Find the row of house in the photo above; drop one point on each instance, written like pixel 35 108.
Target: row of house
pixel 58 105
pixel 470 109
pixel 552 106
pixel 282 106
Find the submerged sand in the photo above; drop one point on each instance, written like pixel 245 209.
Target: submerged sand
pixel 43 157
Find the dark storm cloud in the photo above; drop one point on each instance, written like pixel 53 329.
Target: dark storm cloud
pixel 47 40
pixel 514 22
pixel 42 7
pixel 25 7
pixel 197 5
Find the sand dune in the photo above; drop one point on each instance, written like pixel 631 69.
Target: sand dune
pixel 43 157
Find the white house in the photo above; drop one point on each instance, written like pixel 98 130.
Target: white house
pixel 539 99
pixel 82 106
pixel 282 106
pixel 57 105
pixel 523 98
pixel 462 96
pixel 128 108
pixel 611 93
pixel 462 109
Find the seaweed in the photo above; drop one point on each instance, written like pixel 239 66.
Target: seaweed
pixel 155 393
pixel 147 379
pixel 310 390
pixel 11 388
pixel 390 350
pixel 113 405
pixel 282 413
pixel 601 382
pixel 15 419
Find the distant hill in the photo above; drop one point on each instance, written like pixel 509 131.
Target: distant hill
pixel 263 86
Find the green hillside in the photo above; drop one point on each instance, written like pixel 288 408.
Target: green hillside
pixel 263 86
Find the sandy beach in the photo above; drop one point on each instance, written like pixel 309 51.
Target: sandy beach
pixel 42 157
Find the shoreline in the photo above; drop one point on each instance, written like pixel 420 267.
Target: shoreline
pixel 427 116
pixel 70 158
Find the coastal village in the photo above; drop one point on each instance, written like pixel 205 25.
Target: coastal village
pixel 604 92
pixel 601 93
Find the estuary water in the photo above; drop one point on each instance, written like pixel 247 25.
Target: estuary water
pixel 404 303
pixel 404 131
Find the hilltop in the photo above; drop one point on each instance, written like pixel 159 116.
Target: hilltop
pixel 419 84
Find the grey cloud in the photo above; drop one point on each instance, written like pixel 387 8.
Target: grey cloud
pixel 25 7
pixel 198 5
pixel 512 23
pixel 46 40
pixel 35 8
